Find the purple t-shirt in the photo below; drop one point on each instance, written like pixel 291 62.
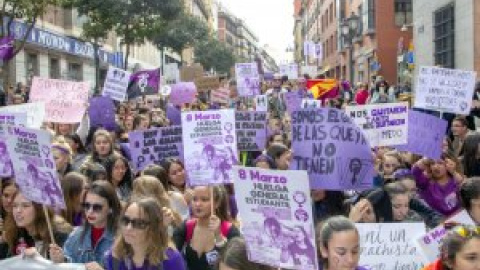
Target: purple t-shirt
pixel 441 198
pixel 174 262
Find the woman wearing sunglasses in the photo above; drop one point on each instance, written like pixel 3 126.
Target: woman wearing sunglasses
pixel 143 242
pixel 88 243
pixel 460 250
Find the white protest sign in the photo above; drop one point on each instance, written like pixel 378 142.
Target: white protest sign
pixel 430 242
pixel 171 73
pixel 310 103
pixel 310 70
pixel 35 112
pixel 34 166
pixel 290 70
pixel 389 245
pixel 65 101
pixel 445 90
pixel 210 146
pixel 116 83
pixel 384 124
pixel 261 103
pixel 165 90
pixel 248 79
pixel 276 213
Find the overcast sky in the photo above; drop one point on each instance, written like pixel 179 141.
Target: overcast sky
pixel 271 20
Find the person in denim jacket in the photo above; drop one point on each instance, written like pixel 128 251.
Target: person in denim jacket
pixel 89 242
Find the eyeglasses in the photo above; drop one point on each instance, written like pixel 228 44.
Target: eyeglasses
pixel 467 231
pixel 96 207
pixel 136 223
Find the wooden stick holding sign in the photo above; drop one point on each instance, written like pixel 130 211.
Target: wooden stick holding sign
pixel 49 224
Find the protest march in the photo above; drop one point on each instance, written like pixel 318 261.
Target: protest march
pixel 182 165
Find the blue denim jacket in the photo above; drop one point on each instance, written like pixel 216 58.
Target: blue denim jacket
pixel 77 251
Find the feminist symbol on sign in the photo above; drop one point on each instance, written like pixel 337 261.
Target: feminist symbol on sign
pixel 143 82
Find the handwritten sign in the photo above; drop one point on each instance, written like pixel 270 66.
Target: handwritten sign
pixel 386 246
pixel 383 124
pixel 171 73
pixel 261 103
pixel 207 83
pixel 251 130
pixel 8 120
pixel 190 73
pixel 220 95
pixel 183 92
pixel 276 217
pixel 34 166
pixel 116 84
pixel 210 146
pixel 332 149
pixel 154 145
pixel 430 242
pixel 425 135
pixel 248 79
pixel 289 70
pixel 445 90
pixel 65 101
pixel 35 112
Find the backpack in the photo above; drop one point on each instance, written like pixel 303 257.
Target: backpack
pixel 190 226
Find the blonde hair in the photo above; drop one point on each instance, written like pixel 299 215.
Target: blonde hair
pixel 60 144
pixel 157 240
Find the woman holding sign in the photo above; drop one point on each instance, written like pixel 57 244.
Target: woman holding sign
pixel 339 244
pixel 26 230
pixel 202 238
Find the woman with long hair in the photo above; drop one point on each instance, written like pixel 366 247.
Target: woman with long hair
pixel 79 152
pixel 62 154
pixel 89 242
pixel 177 177
pixel 102 147
pixel 438 182
pixel 460 250
pixel 281 155
pixel 26 230
pixel 7 190
pixel 120 175
pixel 149 186
pixel 143 242
pixel 201 238
pixel 74 186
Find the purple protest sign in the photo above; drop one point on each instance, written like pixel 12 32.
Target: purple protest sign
pixel 174 115
pixel 210 146
pixel 102 113
pixel 276 211
pixel 293 101
pixel 34 166
pixel 425 135
pixel 248 79
pixel 154 145
pixel 145 82
pixel 251 130
pixel 183 92
pixel 8 120
pixel 6 48
pixel 332 149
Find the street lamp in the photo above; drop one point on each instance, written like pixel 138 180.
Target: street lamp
pixel 349 29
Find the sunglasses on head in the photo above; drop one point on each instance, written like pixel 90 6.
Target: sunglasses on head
pixel 96 207
pixel 135 222
pixel 467 231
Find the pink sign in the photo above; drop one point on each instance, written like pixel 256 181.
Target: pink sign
pixel 65 101
pixel 220 95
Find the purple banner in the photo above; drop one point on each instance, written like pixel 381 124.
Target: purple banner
pixel 6 48
pixel 144 82
pixel 183 92
pixel 154 145
pixel 34 166
pixel 293 101
pixel 251 130
pixel 102 113
pixel 425 135
pixel 332 149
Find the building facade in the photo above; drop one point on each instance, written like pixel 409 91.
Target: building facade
pixel 446 33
